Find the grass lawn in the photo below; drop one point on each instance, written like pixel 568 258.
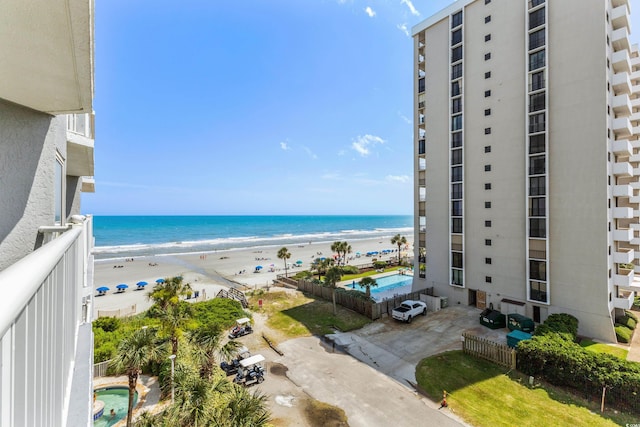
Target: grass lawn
pixel 605 348
pixel 298 315
pixel 368 273
pixel 484 394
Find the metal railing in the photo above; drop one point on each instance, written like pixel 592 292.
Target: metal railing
pixel 44 302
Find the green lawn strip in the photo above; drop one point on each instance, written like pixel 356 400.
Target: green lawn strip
pixel 368 273
pixel 604 348
pixel 484 395
pixel 303 315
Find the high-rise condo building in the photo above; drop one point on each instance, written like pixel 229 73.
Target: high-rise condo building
pixel 527 158
pixel 46 161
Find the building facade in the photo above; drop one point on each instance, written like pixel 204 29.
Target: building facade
pixel 46 161
pixel 527 117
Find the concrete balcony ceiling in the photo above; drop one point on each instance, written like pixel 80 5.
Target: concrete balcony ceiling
pixel 80 155
pixel 47 54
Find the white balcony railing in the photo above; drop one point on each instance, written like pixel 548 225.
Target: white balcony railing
pixel 623 301
pixel 44 310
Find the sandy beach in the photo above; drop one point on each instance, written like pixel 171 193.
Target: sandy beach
pixel 209 272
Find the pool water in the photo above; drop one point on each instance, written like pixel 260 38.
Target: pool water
pixel 116 398
pixel 389 286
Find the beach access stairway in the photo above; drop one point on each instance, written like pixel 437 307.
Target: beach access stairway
pixel 233 293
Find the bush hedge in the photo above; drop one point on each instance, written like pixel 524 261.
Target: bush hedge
pixel 623 334
pixel 627 321
pixel 551 354
pixel 631 314
pixel 350 269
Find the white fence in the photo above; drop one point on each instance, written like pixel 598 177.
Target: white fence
pixel 44 302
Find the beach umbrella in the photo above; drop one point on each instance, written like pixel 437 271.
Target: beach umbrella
pixel 141 284
pixel 258 267
pixel 160 281
pixel 299 262
pixel 322 259
pixel 122 286
pixel 102 289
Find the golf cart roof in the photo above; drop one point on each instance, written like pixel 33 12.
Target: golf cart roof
pixel 252 360
pixel 243 320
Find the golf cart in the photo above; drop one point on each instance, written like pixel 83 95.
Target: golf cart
pixel 243 327
pixel 250 371
pixel 232 366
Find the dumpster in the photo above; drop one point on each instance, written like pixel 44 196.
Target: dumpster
pixel 514 337
pixel 492 319
pixel 518 322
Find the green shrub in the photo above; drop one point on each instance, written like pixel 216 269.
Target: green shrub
pixel 302 274
pixel 107 324
pixel 631 314
pixel 562 324
pixel 627 321
pixel 350 269
pixel 636 302
pixel 220 311
pixel 623 334
pixel 379 264
pixel 354 293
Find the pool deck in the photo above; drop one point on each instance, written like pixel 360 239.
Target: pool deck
pixel 148 393
pixel 346 284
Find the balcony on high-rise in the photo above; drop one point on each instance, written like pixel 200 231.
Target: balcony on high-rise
pixel 621 62
pixel 80 144
pixel 620 17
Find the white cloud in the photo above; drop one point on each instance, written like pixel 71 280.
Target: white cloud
pixel 309 152
pixel 362 144
pixel 405 118
pixel 411 7
pixel 398 178
pixel 403 28
pixel 370 12
pixel 284 146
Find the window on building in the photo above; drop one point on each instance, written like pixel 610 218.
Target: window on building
pixel 456 277
pixel 456 139
pixel 456 259
pixel 487 148
pixel 487 56
pixel 487 19
pixel 421 146
pixel 537 270
pixel 456 105
pixel 456 19
pixel 456 71
pixel 536 144
pixel 534 3
pixel 456 174
pixel 487 168
pixel 537 81
pixel 456 225
pixel 487 75
pixel 487 242
pixel 456 191
pixel 487 260
pixel 456 208
pixel 487 112
pixel 487 205
pixel 537 186
pixel 487 224
pixel 537 227
pixel 421 85
pixel 487 37
pixel 456 156
pixel 487 93
pixel 536 39
pixel 487 131
pixel 456 54
pixel 537 102
pixel 537 206
pixel 487 1
pixel 456 88
pixel 456 122
pixel 487 279
pixel 487 186
pixel 537 165
pixel 536 60
pixel 538 291
pixel 537 123
pixel 536 18
pixel 456 37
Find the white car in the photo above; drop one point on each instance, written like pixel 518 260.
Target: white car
pixel 408 310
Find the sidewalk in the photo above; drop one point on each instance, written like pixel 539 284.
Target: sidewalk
pixel 634 347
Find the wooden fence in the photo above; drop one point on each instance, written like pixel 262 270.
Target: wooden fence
pixel 369 309
pixel 483 348
pixel 100 369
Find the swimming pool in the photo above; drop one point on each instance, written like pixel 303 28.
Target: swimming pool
pixel 389 286
pixel 116 398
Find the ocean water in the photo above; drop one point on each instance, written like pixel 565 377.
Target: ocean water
pixel 130 236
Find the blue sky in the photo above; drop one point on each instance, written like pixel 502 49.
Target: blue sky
pixel 254 107
pixel 208 107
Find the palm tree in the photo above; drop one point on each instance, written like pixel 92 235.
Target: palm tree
pixel 284 254
pixel 207 343
pixel 169 292
pixel 331 278
pixel 368 283
pixel 246 409
pixel 398 240
pixel 134 352
pixel 337 247
pixel 195 400
pixel 346 249
pixel 321 265
pixel 174 320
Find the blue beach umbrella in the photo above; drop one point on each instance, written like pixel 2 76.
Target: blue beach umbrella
pixel 142 284
pixel 299 262
pixel 102 289
pixel 122 286
pixel 160 281
pixel 258 267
